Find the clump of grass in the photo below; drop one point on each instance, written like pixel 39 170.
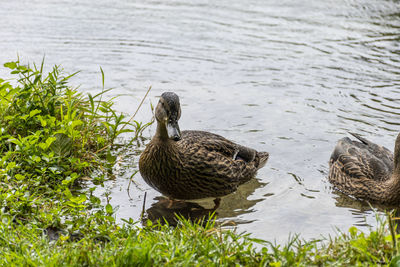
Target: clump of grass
pixel 52 138
pixel 42 116
pixel 345 249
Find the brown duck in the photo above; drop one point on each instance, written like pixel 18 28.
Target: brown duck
pixel 194 164
pixel 366 170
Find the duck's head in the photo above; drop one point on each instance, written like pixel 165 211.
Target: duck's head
pixel 168 112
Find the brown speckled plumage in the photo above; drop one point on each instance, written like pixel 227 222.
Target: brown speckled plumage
pixel 196 164
pixel 366 170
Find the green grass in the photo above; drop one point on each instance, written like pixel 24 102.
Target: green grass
pixel 54 138
pixel 190 245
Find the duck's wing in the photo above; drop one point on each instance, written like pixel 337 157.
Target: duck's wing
pixel 216 143
pixel 211 172
pixel 380 152
pixel 359 160
pixel 215 162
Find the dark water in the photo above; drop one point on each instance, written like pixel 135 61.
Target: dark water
pixel 287 77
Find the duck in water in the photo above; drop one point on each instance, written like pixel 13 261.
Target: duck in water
pixel 194 164
pixel 366 170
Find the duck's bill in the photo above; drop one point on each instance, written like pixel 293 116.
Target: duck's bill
pixel 173 131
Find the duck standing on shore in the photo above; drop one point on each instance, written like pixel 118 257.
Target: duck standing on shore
pixel 194 164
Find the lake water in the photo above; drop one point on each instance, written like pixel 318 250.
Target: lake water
pixel 287 77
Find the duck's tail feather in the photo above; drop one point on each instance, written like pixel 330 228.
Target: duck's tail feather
pixel 362 139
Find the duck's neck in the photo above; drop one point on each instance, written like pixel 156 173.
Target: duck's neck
pixel 391 187
pixel 161 132
pixel 396 156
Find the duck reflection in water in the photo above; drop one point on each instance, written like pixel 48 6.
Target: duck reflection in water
pixel 166 212
pixel 233 205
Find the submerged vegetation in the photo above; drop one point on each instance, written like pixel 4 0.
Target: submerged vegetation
pixel 57 145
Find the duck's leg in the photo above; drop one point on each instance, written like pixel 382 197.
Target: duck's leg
pixel 217 201
pixel 170 203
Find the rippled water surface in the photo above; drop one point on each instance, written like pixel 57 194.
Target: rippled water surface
pixel 287 77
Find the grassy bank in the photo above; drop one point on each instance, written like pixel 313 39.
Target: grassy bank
pixel 57 145
pixel 188 245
